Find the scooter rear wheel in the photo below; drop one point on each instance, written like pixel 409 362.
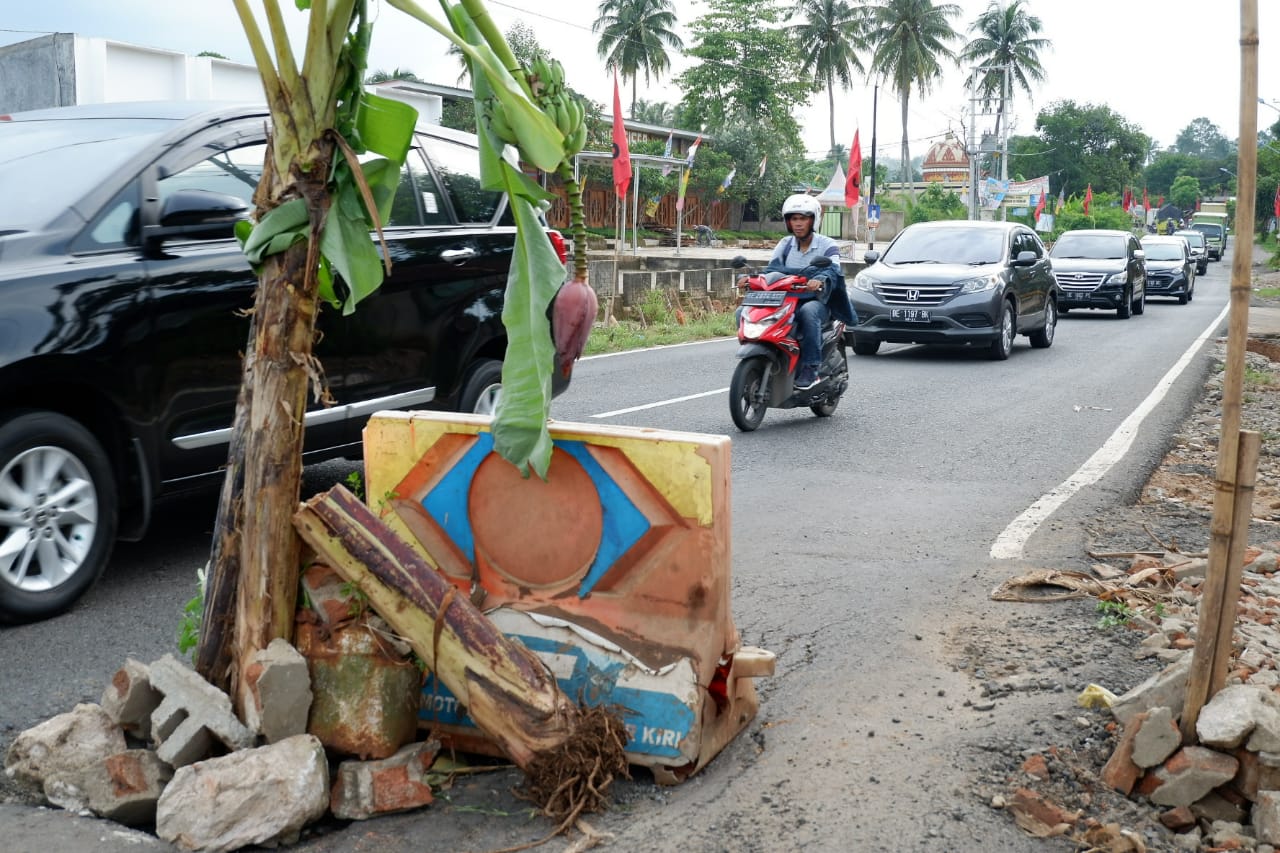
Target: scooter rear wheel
pixel 745 393
pixel 826 408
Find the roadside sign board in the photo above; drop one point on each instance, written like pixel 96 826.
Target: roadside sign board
pixel 873 213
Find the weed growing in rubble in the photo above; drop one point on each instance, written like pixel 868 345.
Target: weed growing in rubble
pixel 356 484
pixel 1254 378
pixel 1115 614
pixel 192 613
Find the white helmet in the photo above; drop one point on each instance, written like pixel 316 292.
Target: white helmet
pixel 801 203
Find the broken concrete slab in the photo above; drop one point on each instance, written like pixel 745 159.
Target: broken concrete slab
pixel 261 796
pixel 130 699
pixel 123 787
pixel 65 742
pixel 1166 688
pixel 1189 775
pixel 1158 738
pixel 279 686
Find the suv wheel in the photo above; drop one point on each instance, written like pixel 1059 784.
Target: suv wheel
pixel 1140 307
pixel 865 347
pixel 1126 305
pixel 1003 345
pixel 483 388
pixel 1043 338
pixel 57 514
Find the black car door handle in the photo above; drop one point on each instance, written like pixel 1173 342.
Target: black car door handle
pixel 457 256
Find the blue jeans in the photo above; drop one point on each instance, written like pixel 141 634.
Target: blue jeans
pixel 811 316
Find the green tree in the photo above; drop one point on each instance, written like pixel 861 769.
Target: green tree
pixel 1006 37
pixel 1185 191
pixel 829 38
pixel 1202 138
pixel 382 76
pixel 910 39
pixel 746 74
pixel 1090 144
pixel 635 36
pixel 654 112
pixel 934 204
pixel 1167 165
pixel 212 54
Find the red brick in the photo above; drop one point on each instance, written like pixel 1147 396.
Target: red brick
pixel 1120 773
pixel 1036 766
pixel 1178 818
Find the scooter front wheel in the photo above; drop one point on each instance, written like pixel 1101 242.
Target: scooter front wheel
pixel 747 396
pixel 826 408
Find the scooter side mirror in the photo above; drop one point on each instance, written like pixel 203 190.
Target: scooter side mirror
pixel 822 262
pixel 738 262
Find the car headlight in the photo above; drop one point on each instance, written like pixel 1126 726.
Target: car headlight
pixel 980 284
pixel 864 282
pixel 1118 278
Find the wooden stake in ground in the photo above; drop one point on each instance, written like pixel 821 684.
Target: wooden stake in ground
pixel 1217 604
pixel 570 755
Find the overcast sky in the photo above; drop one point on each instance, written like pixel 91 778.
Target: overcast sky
pixel 1158 63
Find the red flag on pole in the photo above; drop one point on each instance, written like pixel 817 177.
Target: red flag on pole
pixel 621 154
pixel 1040 207
pixel 1088 198
pixel 853 180
pixel 1146 203
pixel 1127 202
pixel 1276 204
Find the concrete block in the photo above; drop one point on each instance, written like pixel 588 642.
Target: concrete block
pixel 1166 688
pixel 364 789
pixel 279 692
pixel 1189 775
pixel 192 714
pixel 130 699
pixel 1157 739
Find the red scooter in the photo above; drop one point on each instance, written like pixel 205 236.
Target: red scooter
pixel 770 353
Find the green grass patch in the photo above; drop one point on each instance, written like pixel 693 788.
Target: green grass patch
pixel 1268 292
pixel 632 334
pixel 1254 378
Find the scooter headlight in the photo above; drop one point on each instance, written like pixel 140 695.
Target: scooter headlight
pixel 754 330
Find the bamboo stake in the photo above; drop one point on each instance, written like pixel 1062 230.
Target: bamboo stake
pixel 1242 514
pixel 1201 684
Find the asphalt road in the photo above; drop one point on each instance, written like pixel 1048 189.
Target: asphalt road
pixel 856 540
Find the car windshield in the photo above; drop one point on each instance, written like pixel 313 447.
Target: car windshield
pixel 958 245
pixel 1162 252
pixel 50 164
pixel 1208 228
pixel 1193 238
pixel 1092 246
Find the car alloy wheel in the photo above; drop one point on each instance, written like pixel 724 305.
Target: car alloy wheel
pixel 1003 345
pixel 57 523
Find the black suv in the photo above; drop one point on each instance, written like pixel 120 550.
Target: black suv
pixel 122 320
pixel 1101 268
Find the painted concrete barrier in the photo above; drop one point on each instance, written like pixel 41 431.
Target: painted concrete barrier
pixel 615 571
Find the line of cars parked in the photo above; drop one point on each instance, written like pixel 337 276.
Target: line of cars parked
pixel 984 283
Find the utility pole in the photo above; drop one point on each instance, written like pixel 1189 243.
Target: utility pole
pixel 875 104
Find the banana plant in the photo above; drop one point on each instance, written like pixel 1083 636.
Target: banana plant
pixel 525 115
pixel 316 205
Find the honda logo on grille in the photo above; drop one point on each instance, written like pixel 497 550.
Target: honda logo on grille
pixel 913 295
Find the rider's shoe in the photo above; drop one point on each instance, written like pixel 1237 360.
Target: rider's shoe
pixel 807 378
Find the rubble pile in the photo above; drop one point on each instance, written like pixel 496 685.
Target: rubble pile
pixel 165 749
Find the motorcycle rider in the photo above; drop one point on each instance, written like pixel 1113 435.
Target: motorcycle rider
pixel 794 255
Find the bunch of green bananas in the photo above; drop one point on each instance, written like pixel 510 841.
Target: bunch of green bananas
pixel 546 82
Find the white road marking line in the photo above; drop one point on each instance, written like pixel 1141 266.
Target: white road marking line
pixel 1009 544
pixel 660 346
pixel 660 403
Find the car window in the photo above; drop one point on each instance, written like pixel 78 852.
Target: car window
pixel 234 172
pixel 1027 242
pixel 52 163
pixel 458 169
pixel 1163 252
pixel 117 226
pixel 433 210
pixel 1091 246
pixel 947 245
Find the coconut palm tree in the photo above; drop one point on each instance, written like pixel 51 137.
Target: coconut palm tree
pixel 910 38
pixel 635 36
pixel 654 112
pixel 1005 38
pixel 829 37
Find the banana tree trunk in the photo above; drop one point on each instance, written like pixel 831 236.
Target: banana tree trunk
pixel 506 689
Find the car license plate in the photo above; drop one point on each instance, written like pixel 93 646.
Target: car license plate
pixel 766 298
pixel 909 315
pixel 1078 295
